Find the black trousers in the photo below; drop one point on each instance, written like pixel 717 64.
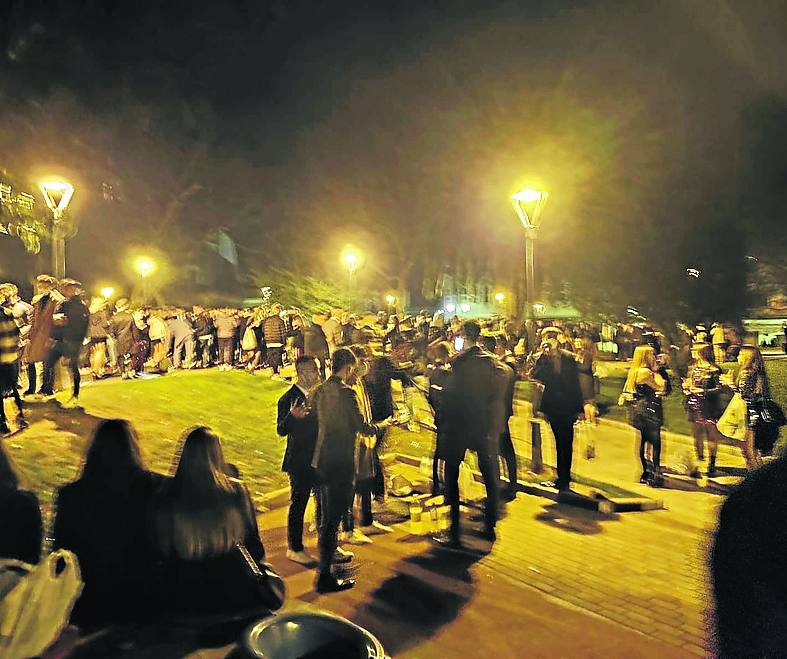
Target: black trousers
pixel 563 430
pixel 337 497
pixel 490 472
pixel 650 436
pixel 8 377
pixel 70 351
pixel 274 359
pixel 301 485
pixel 31 377
pixel 509 456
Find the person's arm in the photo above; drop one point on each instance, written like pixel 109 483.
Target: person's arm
pixel 251 539
pixel 283 417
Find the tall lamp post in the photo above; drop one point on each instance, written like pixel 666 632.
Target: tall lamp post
pixel 529 204
pixel 351 261
pixel 145 267
pixel 57 195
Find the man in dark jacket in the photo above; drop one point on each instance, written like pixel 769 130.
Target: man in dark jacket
pixel 71 321
pixel 561 401
pixel 121 327
pixel 299 424
pixel 275 332
pixel 473 417
pixel 340 420
pixel 203 334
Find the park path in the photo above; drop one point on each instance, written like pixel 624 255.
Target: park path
pixel 559 582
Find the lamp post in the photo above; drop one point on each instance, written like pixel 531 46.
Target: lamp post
pixel 57 195
pixel 351 261
pixel 145 267
pixel 107 292
pixel 529 205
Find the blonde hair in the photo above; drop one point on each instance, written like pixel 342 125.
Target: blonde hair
pixel 644 357
pixel 205 512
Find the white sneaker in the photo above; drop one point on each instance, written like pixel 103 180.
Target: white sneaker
pixel 342 556
pixel 376 528
pixel 301 557
pixel 358 538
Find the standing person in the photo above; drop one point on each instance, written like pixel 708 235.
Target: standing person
pixel 158 332
pixel 9 368
pixel 21 530
pixel 316 345
pixel 754 388
pixel 275 333
pixel 97 332
pixel 203 333
pixel 226 329
pixel 332 328
pixel 646 384
pixel 561 401
pixel 585 355
pixel 718 338
pixel 296 421
pixel 44 304
pixel 439 371
pixel 475 424
pixel 71 321
pixel 703 404
pixel 506 444
pixel 121 328
pixel 339 419
pixel 182 340
pixel 141 346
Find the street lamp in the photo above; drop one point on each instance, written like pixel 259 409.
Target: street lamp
pixel 500 297
pixel 107 292
pixel 144 267
pixel 57 195
pixel 351 260
pixel 529 204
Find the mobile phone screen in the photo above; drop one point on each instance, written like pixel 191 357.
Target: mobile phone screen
pixel 459 343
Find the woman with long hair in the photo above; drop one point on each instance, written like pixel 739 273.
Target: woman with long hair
pixel 101 517
pixel 702 388
pixel 754 388
pixel 646 384
pixel 20 516
pixel 199 521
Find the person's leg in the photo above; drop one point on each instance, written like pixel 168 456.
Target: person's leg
pixel 643 456
pixel 713 447
pixel 15 391
pixel 452 493
pixel 378 482
pixel 48 384
pixel 274 357
pixel 698 432
pixel 365 496
pixel 509 457
pixel 437 461
pixel 336 500
pixel 654 439
pixel 189 345
pixel 177 352
pixel 490 472
pixel 563 429
pixel 300 488
pixel 73 362
pixel 31 379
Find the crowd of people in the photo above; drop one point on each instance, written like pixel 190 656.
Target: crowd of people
pixel 173 544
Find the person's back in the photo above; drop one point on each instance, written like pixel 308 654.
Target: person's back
pixel 77 317
pixel 226 326
pixel 471 396
pixel 101 517
pixel 121 328
pixel 275 331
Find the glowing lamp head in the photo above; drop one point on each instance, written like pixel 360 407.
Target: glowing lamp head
pixel 499 297
pixel 450 308
pixel 144 266
pixel 107 292
pixel 57 195
pixel 528 205
pixel 390 299
pixel 465 307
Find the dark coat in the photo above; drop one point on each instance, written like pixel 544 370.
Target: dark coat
pixel 121 327
pixel 562 395
pixel 378 385
pixel 301 433
pixel 340 420
pixel 473 402
pixel 314 342
pixel 77 318
pixel 106 527
pixel 20 525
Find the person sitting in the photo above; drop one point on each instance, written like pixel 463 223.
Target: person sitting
pixel 20 516
pixel 201 521
pixel 101 518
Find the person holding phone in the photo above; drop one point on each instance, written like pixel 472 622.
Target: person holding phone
pixel 296 421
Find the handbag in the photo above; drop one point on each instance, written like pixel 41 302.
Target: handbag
pixel 771 414
pixel 249 341
pixel 732 423
pixel 268 585
pixel 643 414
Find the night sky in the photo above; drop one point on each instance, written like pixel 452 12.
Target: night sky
pixel 372 115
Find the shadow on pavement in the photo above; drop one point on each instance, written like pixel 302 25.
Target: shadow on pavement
pixel 574 520
pixel 406 609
